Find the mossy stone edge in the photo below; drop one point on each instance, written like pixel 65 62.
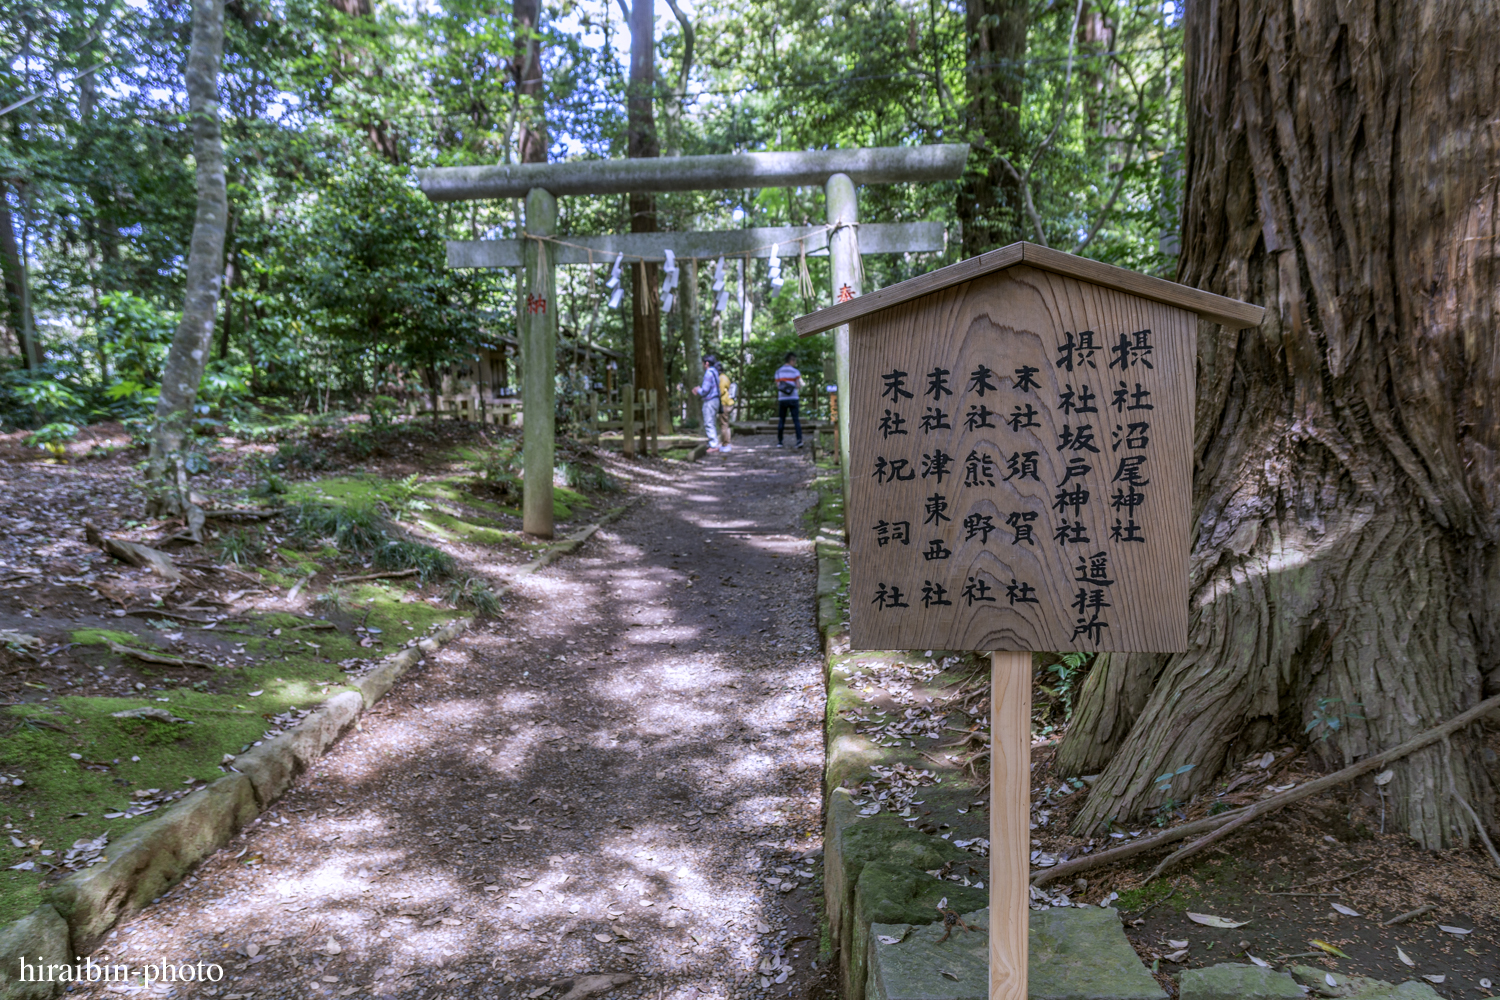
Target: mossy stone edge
pixel 153 857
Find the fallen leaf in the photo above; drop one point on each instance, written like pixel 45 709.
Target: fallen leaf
pixel 1258 961
pixel 1176 956
pixel 1434 979
pixel 1328 978
pixel 1325 946
pixel 1384 778
pixel 604 938
pixel 1405 958
pixel 1345 910
pixel 1176 944
pixel 332 947
pixel 1460 931
pixel 1209 920
pixel 256 694
pixel 252 950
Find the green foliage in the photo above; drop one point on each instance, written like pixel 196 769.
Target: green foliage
pixel 337 295
pixel 474 593
pixel 332 601
pixel 382 410
pixel 1327 719
pixel 52 437
pixel 299 455
pixel 404 500
pixel 502 467
pixel 239 546
pixel 429 562
pixel 580 475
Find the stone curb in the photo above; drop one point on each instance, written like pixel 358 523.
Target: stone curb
pixel 154 856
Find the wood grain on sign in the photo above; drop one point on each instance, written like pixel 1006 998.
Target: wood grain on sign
pixel 1105 567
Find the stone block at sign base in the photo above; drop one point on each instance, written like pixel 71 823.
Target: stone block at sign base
pixel 40 939
pixel 1076 953
pixel 1234 981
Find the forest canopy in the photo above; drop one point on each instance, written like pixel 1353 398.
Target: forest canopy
pixel 334 288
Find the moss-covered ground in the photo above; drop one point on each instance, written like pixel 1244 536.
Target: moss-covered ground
pixel 71 770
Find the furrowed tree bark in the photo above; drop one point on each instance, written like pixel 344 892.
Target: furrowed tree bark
pixel 531 141
pixel 17 291
pixel 1341 169
pixel 642 141
pixel 188 355
pixel 989 197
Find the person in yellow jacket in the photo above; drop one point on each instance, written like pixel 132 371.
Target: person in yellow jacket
pixel 726 403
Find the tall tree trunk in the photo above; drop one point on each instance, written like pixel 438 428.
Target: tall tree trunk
pixel 188 354
pixel 383 138
pixel 1340 170
pixel 641 141
pixel 989 197
pixel 527 71
pixel 17 290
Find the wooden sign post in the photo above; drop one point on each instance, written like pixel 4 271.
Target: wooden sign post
pixel 1021 450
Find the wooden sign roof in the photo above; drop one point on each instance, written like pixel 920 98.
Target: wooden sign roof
pixel 1215 308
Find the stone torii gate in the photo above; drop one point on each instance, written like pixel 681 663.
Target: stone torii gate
pixel 540 184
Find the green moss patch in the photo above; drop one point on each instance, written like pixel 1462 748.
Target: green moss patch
pixel 77 762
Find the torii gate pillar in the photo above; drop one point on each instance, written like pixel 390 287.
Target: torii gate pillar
pixel 843 256
pixel 538 366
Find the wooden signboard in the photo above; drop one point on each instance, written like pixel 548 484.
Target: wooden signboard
pixel 1021 448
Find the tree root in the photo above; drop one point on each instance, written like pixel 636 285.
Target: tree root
pixel 1473 816
pixel 134 553
pixel 393 574
pixel 1213 825
pixel 170 661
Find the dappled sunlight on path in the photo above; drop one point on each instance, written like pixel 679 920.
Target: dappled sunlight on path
pixel 619 775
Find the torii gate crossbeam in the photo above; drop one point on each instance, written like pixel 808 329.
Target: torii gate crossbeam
pixel 838 170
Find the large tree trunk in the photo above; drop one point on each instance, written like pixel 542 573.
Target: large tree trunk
pixel 989 197
pixel 531 140
pixel 17 290
pixel 1341 170
pixel 205 271
pixel 642 141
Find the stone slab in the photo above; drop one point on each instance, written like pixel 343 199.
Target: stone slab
pixel 1235 981
pixel 1076 953
pixel 896 893
pixel 40 938
pixel 1359 987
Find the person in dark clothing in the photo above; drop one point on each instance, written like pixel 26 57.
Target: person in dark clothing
pixel 788 382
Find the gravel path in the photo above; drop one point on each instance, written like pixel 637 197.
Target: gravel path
pixel 621 775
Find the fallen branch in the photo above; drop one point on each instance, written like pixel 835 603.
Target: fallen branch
pixel 292 596
pixel 147 657
pixel 157 613
pixel 222 569
pixel 1402 918
pixel 254 515
pixel 394 574
pixel 1212 824
pixel 314 626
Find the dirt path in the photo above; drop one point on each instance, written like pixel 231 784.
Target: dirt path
pixel 620 775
